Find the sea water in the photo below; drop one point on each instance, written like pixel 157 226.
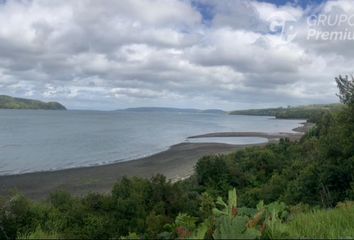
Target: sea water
pixel 36 140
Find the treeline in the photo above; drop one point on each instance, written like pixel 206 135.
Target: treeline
pixel 7 102
pixel 282 191
pixel 258 112
pixel 312 113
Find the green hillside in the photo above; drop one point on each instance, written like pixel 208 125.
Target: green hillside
pixel 7 102
pixel 310 112
pixel 258 112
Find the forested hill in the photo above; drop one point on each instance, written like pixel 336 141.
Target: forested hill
pixel 310 112
pixel 7 102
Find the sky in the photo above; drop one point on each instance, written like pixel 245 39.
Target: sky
pixel 227 54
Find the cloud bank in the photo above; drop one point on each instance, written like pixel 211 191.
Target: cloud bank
pixel 110 54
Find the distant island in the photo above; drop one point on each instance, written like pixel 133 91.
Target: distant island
pixel 166 109
pixel 310 112
pixel 7 102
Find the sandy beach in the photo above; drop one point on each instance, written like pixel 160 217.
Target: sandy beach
pixel 176 163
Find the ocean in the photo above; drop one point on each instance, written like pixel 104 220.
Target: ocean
pixel 36 140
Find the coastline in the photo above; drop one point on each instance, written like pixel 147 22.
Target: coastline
pixel 176 163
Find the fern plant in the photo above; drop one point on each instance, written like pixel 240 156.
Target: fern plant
pixel 185 227
pixel 272 216
pixel 230 224
pixel 229 209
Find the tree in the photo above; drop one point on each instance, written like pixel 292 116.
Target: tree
pixel 346 89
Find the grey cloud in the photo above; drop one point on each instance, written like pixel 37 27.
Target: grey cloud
pixel 111 54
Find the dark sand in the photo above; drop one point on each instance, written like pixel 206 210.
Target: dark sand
pixel 175 163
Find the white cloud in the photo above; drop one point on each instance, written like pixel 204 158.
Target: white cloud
pixel 112 54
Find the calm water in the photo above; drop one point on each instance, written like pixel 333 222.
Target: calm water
pixel 48 140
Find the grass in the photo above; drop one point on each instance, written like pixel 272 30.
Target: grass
pixel 40 234
pixel 331 224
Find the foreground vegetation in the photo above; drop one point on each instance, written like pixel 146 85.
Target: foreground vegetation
pixel 7 102
pixel 287 190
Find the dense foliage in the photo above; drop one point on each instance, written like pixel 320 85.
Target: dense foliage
pixel 7 102
pixel 285 190
pixel 312 113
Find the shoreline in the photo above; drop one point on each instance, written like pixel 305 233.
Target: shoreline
pixel 176 163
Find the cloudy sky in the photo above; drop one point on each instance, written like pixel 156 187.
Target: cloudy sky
pixel 229 54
